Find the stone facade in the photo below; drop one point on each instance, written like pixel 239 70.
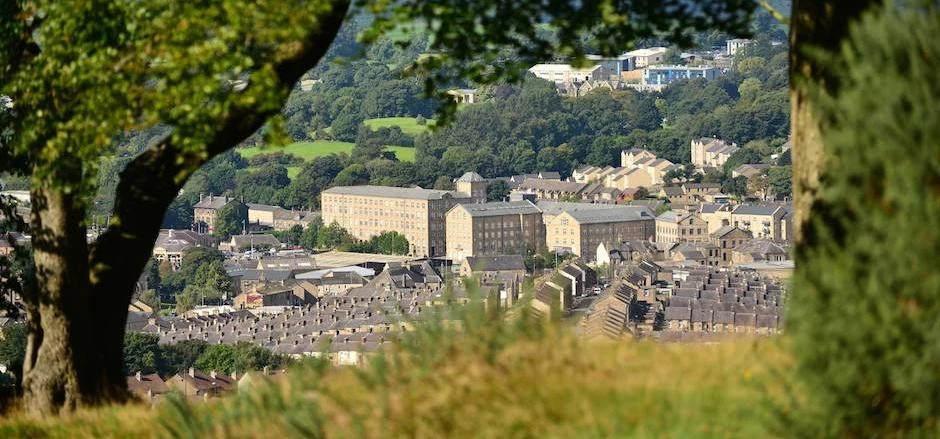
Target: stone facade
pixel 419 214
pixel 491 229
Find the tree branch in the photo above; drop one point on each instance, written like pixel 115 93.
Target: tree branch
pixel 152 180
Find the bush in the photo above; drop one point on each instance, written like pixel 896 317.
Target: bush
pixel 863 314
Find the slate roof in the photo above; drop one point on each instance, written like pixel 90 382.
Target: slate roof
pixel 496 263
pixel 753 209
pixel 498 208
pixel 213 202
pixel 613 213
pixel 416 193
pixel 470 177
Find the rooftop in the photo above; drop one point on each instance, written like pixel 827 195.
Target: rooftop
pixel 497 208
pixel 415 193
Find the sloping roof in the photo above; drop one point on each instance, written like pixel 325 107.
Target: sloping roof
pixel 213 202
pixel 673 191
pixel 416 193
pixel 143 383
pixel 753 209
pixel 262 207
pixel 246 240
pixel 498 208
pixel 496 263
pixel 539 184
pixel 470 177
pixel 614 213
pixel 725 230
pixel 760 247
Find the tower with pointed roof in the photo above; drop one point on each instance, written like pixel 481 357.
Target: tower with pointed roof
pixel 474 185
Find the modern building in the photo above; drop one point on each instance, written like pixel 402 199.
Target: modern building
pixel 709 151
pixel 566 73
pixel 646 57
pixel 580 228
pixel 491 229
pixel 661 76
pixel 419 214
pixel 673 226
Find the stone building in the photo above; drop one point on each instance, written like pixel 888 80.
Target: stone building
pixel 580 228
pixel 496 228
pixel 472 184
pixel 419 214
pixel 205 211
pixel 673 226
pixel 708 151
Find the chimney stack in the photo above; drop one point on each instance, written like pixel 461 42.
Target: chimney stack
pixel 212 374
pixel 137 375
pixel 192 372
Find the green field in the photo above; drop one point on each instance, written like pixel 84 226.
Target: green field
pixel 408 125
pixel 310 150
pixel 304 150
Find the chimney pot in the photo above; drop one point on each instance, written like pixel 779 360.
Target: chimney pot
pixel 192 372
pixel 137 375
pixel 212 374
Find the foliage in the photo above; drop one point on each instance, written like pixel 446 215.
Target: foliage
pixel 390 243
pixel 497 190
pixel 13 349
pixel 862 315
pixel 780 181
pixel 334 236
pixel 181 356
pixel 202 273
pixel 230 219
pixel 292 236
pixel 142 353
pixel 308 240
pixel 151 298
pixel 240 358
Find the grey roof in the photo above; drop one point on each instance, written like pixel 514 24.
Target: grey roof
pixel 470 177
pixel 213 202
pixel 262 207
pixel 673 191
pixel 753 209
pixel 539 184
pixel 244 240
pixel 725 230
pixel 416 193
pixel 614 213
pixel 496 263
pixel 678 313
pixel 497 208
pixel 710 208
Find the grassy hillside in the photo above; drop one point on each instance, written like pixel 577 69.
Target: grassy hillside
pixel 408 125
pixel 549 385
pixel 310 150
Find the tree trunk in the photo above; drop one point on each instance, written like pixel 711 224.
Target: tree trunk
pixel 822 26
pixel 77 309
pixel 60 371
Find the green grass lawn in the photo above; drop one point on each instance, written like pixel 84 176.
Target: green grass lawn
pixel 311 150
pixel 304 150
pixel 408 125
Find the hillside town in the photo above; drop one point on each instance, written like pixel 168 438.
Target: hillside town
pixel 683 247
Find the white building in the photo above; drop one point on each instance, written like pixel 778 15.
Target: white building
pixel 566 73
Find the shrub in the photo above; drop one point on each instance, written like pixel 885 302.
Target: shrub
pixel 865 303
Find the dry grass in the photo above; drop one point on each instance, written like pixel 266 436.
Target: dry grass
pixel 546 386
